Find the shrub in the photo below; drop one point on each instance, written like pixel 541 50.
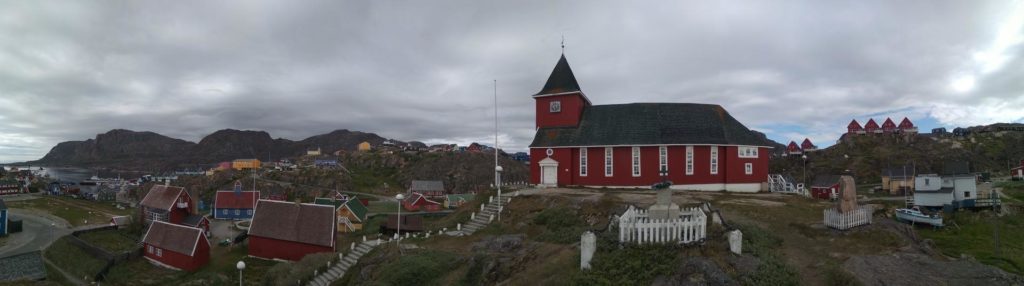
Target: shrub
pixel 632 265
pixel 288 273
pixel 424 268
pixel 561 225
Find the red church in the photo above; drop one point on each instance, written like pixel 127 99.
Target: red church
pixel 290 231
pixel 701 146
pixel 176 246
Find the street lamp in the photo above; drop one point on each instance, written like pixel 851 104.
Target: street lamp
pixel 241 266
pixel 398 230
pixel 805 169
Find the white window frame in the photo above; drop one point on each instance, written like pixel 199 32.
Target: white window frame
pixel 714 160
pixel 747 151
pixel 224 211
pixel 748 168
pixel 583 162
pixel 149 248
pixel 238 212
pixel 248 212
pixel 636 161
pixel 159 252
pixel 555 106
pixel 608 167
pixel 689 160
pixel 662 158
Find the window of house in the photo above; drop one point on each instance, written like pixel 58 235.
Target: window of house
pixel 159 252
pixel 748 168
pixel 555 106
pixel 224 211
pixel 714 160
pixel 747 152
pixel 662 158
pixel 967 195
pixel 636 161
pixel 248 212
pixel 149 248
pixel 608 161
pixel 583 162
pixel 689 160
pixel 926 182
pixel 238 212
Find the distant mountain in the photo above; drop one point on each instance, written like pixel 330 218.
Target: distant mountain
pixel 134 150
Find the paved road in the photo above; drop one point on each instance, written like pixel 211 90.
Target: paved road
pixel 38 231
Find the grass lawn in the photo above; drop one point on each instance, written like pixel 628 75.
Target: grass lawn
pixel 975 237
pixel 382 207
pixel 220 271
pixel 72 259
pixel 115 241
pixel 75 211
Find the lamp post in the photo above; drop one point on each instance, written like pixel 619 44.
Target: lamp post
pixel 805 169
pixel 398 228
pixel 241 266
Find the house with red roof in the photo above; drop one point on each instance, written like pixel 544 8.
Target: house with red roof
pixel 700 146
pixel 290 231
pixel 872 127
pixel 906 126
pixel 1017 173
pixel 793 149
pixel 807 145
pixel 176 246
pixel 417 202
pixel 166 203
pixel 854 128
pixel 235 204
pixel 888 126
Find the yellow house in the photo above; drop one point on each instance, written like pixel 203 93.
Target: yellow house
pixel 241 164
pixel 365 146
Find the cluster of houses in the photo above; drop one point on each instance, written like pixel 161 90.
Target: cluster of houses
pixel 806 146
pixel 887 127
pixel 432 196
pixel 955 187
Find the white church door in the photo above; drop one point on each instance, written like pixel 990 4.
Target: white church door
pixel 549 172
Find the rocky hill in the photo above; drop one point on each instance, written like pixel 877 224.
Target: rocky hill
pixel 866 156
pixel 134 150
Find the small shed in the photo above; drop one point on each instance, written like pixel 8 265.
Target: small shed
pixel 825 187
pixel 433 189
pixel 120 221
pixel 410 224
pixel 176 246
pixel 417 201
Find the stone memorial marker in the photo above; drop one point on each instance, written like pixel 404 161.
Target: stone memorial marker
pixel 664 208
pixel 588 244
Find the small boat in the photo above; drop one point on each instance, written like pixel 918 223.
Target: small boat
pixel 914 215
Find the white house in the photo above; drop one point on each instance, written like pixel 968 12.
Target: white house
pixel 930 193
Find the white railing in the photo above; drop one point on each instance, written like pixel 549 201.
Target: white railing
pixel 844 221
pixel 635 226
pixel 778 184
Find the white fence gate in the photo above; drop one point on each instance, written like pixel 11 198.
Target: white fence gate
pixel 844 221
pixel 636 226
pixel 778 184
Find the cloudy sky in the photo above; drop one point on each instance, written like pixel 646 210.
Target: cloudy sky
pixel 423 70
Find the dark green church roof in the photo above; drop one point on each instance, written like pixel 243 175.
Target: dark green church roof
pixel 651 124
pixel 561 79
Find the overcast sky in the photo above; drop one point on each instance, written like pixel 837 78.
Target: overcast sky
pixel 423 70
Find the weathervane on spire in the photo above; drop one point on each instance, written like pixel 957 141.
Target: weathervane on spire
pixel 563 43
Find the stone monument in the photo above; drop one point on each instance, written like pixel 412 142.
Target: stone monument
pixel 847 195
pixel 588 244
pixel 664 208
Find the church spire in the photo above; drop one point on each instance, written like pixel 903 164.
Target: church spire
pixel 561 80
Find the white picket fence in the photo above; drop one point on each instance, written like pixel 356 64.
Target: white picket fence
pixel 844 221
pixel 636 227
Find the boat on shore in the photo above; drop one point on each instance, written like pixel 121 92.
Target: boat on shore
pixel 915 216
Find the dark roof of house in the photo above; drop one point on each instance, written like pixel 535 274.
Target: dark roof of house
pixel 409 222
pixel 304 223
pixel 825 180
pixel 899 172
pixel 561 79
pixel 650 123
pixel 956 168
pixel 231 200
pixel 178 238
pixel 25 266
pixel 162 197
pixel 426 186
pixel 193 220
pixel 939 191
pixel 329 202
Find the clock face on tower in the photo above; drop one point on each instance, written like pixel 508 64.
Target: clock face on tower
pixel 556 106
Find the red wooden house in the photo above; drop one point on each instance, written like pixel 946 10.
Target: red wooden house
pixel 888 126
pixel 807 145
pixel 417 202
pixel 166 203
pixel 825 187
pixel 1017 173
pixel 701 146
pixel 290 231
pixel 431 189
pixel 176 246
pixel 872 126
pixel 854 127
pixel 907 127
pixel 793 149
pixel 475 147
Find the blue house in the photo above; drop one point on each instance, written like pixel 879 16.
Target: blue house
pixel 3 218
pixel 235 204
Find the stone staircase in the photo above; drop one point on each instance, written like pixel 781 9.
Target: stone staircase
pixel 484 217
pixel 338 269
